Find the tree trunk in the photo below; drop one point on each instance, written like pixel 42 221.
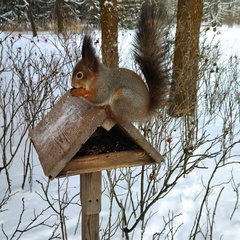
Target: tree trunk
pixel 59 15
pixel 109 25
pixel 30 16
pixel 186 56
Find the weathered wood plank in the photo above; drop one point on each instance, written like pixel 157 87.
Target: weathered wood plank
pixel 108 124
pixel 90 186
pixel 107 161
pixel 61 133
pixel 133 133
pixel 90 227
pixel 90 190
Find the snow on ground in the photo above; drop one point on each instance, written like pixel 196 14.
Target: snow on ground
pixel 184 200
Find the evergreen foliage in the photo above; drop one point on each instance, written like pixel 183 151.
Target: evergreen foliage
pixel 13 12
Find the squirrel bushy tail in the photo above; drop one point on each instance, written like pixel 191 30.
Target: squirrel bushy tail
pixel 150 50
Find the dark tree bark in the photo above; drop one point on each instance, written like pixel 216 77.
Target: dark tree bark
pixel 30 16
pixel 109 25
pixel 59 15
pixel 183 95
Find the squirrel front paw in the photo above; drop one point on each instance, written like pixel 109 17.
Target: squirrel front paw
pixel 74 92
pixel 77 92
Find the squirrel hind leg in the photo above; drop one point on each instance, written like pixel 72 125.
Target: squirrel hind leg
pixel 109 112
pixel 127 105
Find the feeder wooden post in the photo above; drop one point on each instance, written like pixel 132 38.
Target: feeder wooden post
pixel 90 194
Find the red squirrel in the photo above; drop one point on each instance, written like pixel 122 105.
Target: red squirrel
pixel 121 91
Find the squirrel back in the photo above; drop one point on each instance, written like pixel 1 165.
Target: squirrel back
pixel 121 91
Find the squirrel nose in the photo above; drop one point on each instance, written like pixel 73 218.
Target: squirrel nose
pixel 74 84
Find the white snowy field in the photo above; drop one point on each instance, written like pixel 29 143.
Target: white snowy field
pixel 210 190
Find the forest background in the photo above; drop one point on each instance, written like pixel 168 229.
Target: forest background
pixel 46 13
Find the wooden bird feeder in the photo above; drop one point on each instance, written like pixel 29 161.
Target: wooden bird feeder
pixel 77 138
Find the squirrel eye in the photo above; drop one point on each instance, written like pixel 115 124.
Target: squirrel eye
pixel 80 75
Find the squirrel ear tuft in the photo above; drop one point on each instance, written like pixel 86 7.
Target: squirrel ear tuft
pixel 89 54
